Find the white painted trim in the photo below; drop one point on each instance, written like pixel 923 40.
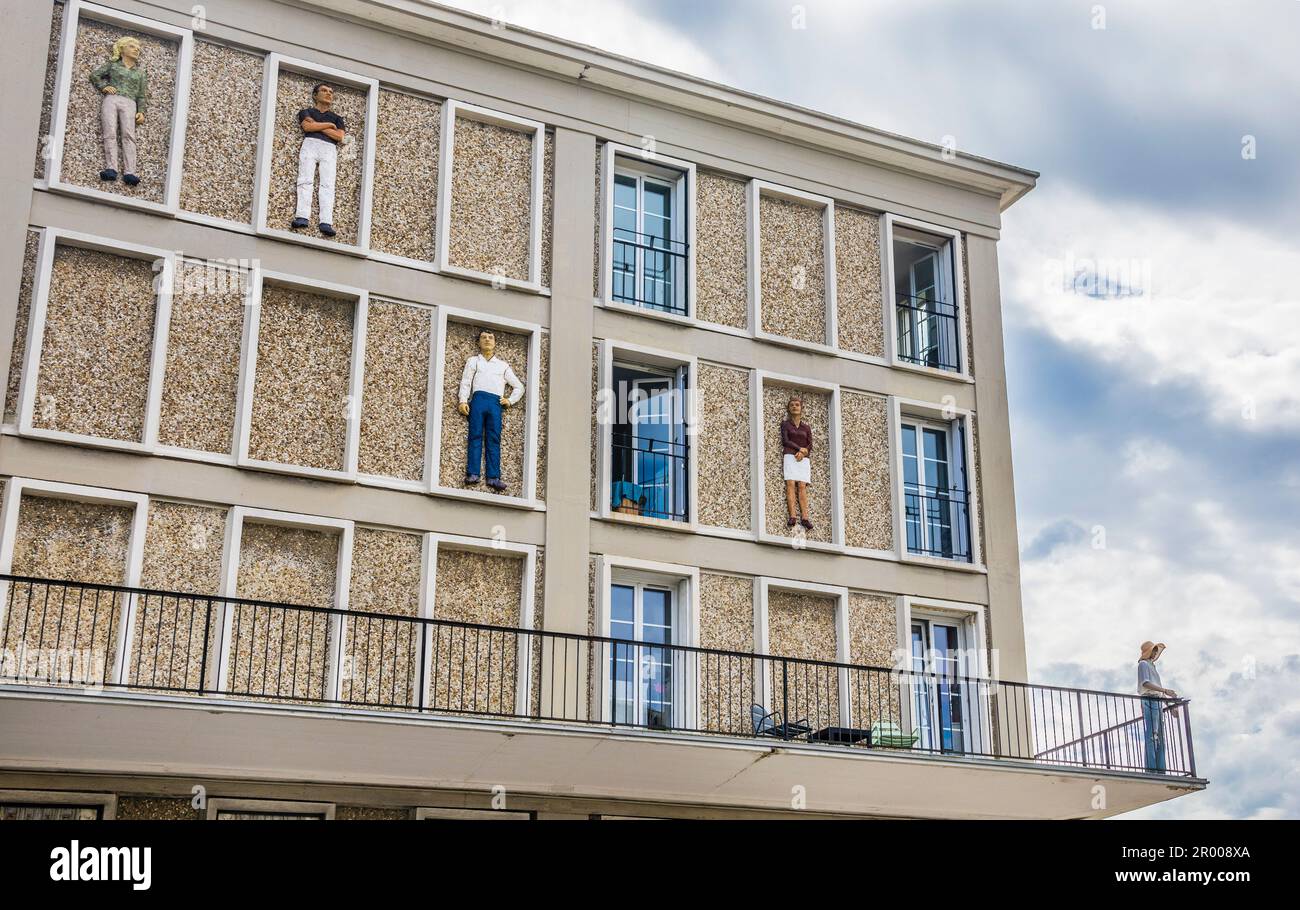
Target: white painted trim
pixel 451 109
pixel 165 265
pixel 73 12
pixel 532 396
pixel 757 190
pixel 270 88
pixel 248 374
pixel 638 160
pixel 969 615
pixel 16 487
pixel 763 585
pixel 687 581
pixel 236 518
pixel 217 805
pixel 494 547
pixel 833 451
pixel 958 294
pixel 107 802
pixel 423 813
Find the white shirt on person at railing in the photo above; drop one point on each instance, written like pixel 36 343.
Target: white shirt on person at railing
pixel 483 375
pixel 1147 674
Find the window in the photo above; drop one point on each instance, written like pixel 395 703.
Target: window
pixel 49 812
pixel 223 809
pixel 936 498
pixel 649 452
pixel 229 815
pixel 649 264
pixel 925 302
pixel 939 686
pixel 641 661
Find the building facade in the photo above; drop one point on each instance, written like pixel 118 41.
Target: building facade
pixel 245 572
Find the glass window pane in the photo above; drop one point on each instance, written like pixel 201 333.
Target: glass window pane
pixel 622 604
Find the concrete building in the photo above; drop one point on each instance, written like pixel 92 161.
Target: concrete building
pixel 240 556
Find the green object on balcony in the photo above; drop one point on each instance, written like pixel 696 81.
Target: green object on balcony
pixel 888 734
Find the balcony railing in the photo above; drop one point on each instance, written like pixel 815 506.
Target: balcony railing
pixel 649 271
pixel 649 477
pixel 63 633
pixel 937 520
pixel 927 332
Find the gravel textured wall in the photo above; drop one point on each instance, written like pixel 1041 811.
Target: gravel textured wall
pixel 26 286
pixel 873 637
pixel 475 671
pixel 543 411
pixel 548 206
pixel 491 199
pixel 859 318
pixel 221 132
pixel 817 410
pixel 74 541
pixel 293 93
pixel 802 625
pixel 404 207
pixel 792 269
pixel 394 398
pixel 201 380
pixel 369 814
pixel 94 374
pixel 380 657
pixel 726 624
pixel 156 808
pixel 460 344
pixel 977 488
pixel 965 296
pixel 83 147
pixel 595 429
pixel 47 95
pixel 182 552
pixel 721 258
pixel 868 506
pixel 300 392
pixel 722 446
pixel 279 652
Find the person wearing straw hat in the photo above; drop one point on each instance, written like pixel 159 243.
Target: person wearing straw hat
pixel 1152 707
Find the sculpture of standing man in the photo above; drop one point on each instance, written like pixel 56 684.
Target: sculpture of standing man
pixel 482 396
pixel 125 86
pixel 322 131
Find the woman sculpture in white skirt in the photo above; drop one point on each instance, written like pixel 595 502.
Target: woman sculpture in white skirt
pixel 796 446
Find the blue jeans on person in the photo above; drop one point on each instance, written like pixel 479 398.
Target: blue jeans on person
pixel 1153 721
pixel 484 432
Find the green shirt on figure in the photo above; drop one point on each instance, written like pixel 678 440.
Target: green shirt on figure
pixel 129 81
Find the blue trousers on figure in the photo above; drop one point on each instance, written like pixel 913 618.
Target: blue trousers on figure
pixel 1153 721
pixel 484 432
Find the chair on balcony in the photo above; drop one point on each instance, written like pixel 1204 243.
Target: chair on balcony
pixel 771 723
pixel 888 734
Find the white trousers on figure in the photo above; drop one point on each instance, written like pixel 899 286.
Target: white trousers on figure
pixel 117 121
pixel 314 153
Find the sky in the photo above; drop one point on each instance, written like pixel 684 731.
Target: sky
pixel 1151 318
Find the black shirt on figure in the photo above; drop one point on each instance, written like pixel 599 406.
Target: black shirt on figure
pixel 320 117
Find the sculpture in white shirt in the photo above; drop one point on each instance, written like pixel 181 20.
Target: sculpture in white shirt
pixel 482 396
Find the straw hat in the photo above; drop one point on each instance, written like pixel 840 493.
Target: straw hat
pixel 1152 649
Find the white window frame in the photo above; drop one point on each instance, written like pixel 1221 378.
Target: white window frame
pixel 217 805
pixel 451 110
pixel 165 266
pixel 830 447
pixel 975 661
pixel 236 518
pixel 435 813
pixel 685 581
pixel 105 802
pixel 757 190
pixel 435 542
pixel 138 502
pixel 624 159
pixel 275 63
pixel 900 411
pixel 954 239
pixel 248 374
pixel 763 586
pixel 74 12
pixel 655 359
pixel 532 395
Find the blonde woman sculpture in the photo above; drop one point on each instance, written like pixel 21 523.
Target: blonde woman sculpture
pixel 125 86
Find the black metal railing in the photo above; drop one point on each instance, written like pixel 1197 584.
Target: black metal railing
pixel 233 648
pixel 937 521
pixel 649 271
pixel 648 477
pixel 927 332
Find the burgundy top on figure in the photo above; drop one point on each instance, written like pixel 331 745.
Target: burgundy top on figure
pixel 794 438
